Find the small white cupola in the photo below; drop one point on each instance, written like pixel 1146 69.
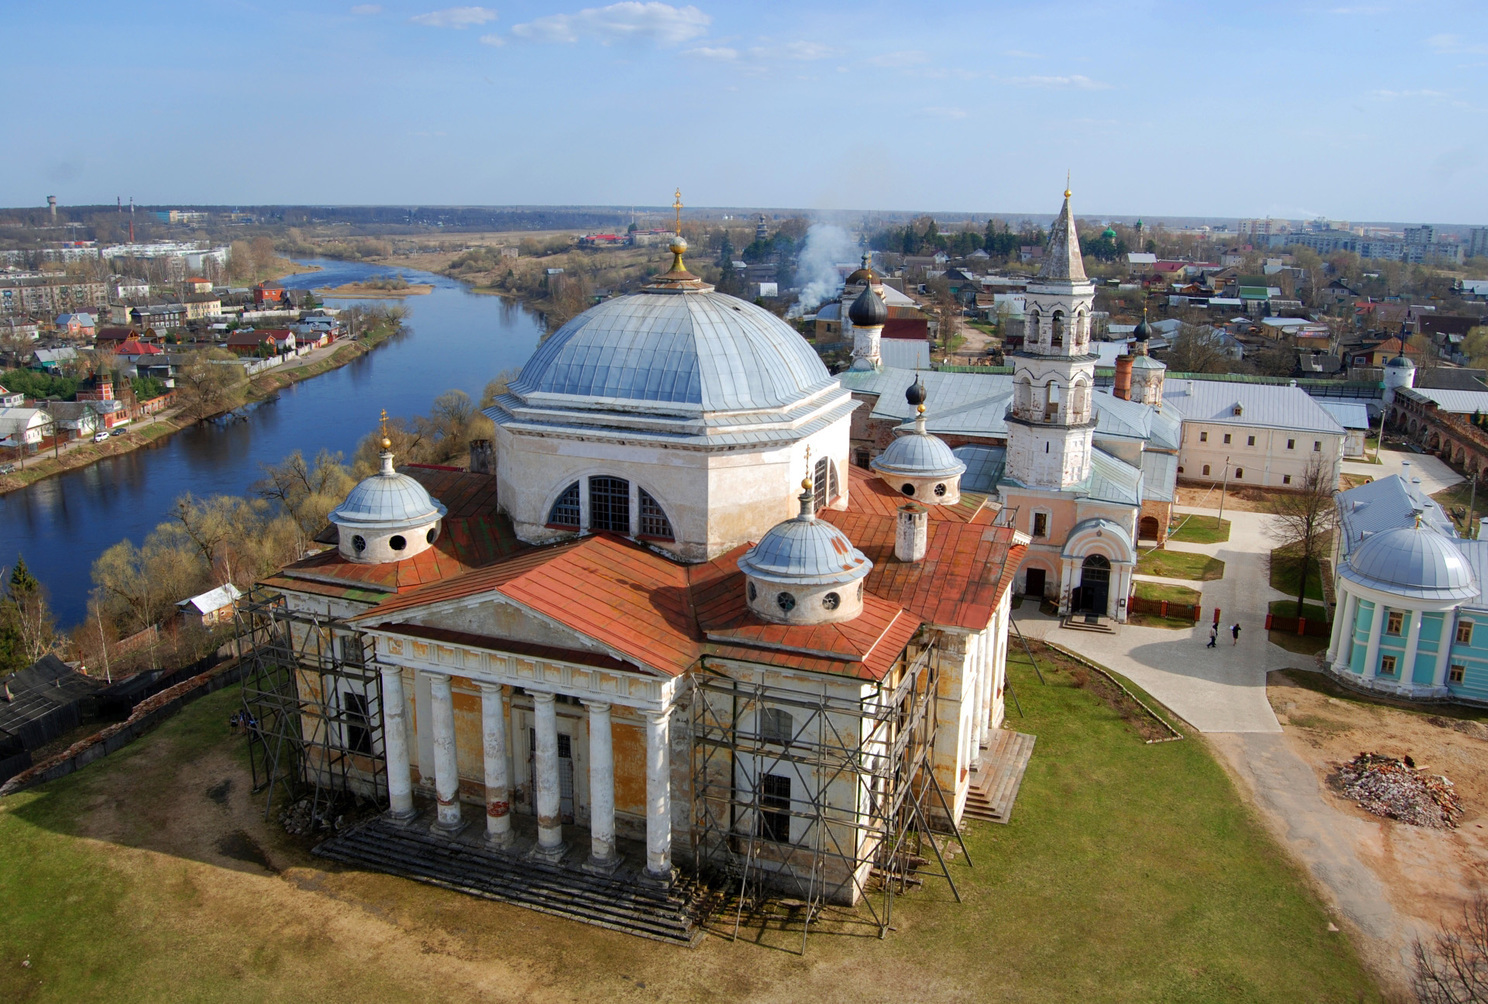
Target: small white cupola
pixel 919 465
pixel 805 571
pixel 868 315
pixel 387 517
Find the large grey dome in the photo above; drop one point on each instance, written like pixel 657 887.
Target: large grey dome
pixel 697 348
pixel 387 501
pixel 1412 561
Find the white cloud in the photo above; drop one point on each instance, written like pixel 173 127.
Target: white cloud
pixel 1455 44
pixel 722 53
pixel 946 113
pixel 1076 81
pixel 1021 54
pixel 620 22
pixel 455 17
pixel 904 57
pixel 495 40
pixel 1392 95
pixel 367 9
pixel 793 50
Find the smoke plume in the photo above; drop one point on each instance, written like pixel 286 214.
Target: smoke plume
pixel 816 270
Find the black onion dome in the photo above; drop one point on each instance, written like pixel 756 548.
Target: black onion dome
pixel 868 310
pixel 916 393
pixel 1143 332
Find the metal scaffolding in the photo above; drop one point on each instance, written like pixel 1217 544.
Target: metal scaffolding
pixel 860 823
pixel 313 704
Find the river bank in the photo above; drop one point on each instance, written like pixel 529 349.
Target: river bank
pixel 84 453
pixel 372 291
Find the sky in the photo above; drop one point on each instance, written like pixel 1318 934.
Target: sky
pixel 1349 109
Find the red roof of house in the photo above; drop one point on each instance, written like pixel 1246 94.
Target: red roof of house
pixel 247 336
pixel 115 334
pixel 135 347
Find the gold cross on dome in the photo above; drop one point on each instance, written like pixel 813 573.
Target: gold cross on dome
pixel 678 207
pixel 384 423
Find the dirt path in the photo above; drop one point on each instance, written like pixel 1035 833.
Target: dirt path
pixel 1391 881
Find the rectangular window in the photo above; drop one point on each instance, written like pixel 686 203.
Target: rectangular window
pixel 351 650
pixel 1387 665
pixel 1203 437
pixel 1455 674
pixel 1291 444
pixel 356 727
pixel 821 494
pixel 1286 479
pixel 1239 473
pixel 1249 440
pixel 1227 439
pixel 1394 621
pixel 1464 632
pixel 609 504
pixel 775 800
pixel 1317 446
pixel 1041 524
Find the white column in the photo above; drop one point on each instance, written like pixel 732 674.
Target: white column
pixel 1407 669
pixel 1344 615
pixel 446 768
pixel 602 855
pixel 984 703
pixel 1444 648
pixel 395 744
pixel 1371 654
pixel 498 776
pixel 545 779
pixel 658 795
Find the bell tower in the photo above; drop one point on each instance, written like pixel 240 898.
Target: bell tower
pixel 1052 417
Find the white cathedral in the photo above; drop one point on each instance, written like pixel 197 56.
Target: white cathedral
pixel 676 624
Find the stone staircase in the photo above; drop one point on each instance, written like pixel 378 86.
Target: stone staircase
pixel 1088 622
pixel 994 786
pixel 621 902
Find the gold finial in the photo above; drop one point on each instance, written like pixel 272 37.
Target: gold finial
pixel 678 207
pixel 1066 183
pixel 806 483
pixel 387 444
pixel 919 409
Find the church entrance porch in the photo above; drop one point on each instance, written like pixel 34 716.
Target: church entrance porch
pixel 1093 593
pixel 1033 583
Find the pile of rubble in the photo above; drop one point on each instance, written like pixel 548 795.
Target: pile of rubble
pixel 1396 789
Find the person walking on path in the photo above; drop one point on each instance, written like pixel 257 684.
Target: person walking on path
pixel 1235 634
pixel 1213 635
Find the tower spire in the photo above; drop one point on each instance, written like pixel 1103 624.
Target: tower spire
pixel 1062 260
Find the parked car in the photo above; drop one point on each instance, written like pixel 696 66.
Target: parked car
pixel 101 436
pixel 117 432
pixel 7 468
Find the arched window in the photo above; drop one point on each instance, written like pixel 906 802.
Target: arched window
pixel 1051 401
pixel 1031 331
pixel 566 510
pixel 609 504
pixel 654 522
pixel 1057 340
pixel 776 726
pixel 824 483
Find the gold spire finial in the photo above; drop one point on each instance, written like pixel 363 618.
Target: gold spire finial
pixel 387 444
pixel 1066 183
pixel 678 207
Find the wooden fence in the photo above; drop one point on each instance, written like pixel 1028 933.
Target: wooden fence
pixel 1312 627
pixel 1164 608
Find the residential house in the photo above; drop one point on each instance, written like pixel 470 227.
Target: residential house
pixel 1260 435
pixel 77 326
pixel 249 341
pixel 48 360
pixel 212 608
pixel 11 399
pixel 74 419
pixel 24 425
pixel 268 294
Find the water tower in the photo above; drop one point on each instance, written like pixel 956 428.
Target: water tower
pixel 52 205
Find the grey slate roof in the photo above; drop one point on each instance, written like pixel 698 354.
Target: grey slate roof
pixel 1386 504
pixel 1456 402
pixel 1413 561
pixel 983 467
pixel 1349 414
pixel 387 501
pixel 1261 405
pixel 1112 480
pixel 904 353
pixel 1159 476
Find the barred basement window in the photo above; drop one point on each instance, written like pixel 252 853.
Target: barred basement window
pixel 775 800
pixel 1455 674
pixel 609 504
pixel 654 522
pixel 566 509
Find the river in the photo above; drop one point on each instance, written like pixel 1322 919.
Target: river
pixel 454 339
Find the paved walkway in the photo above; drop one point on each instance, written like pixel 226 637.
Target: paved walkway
pixel 1433 471
pixel 1215 690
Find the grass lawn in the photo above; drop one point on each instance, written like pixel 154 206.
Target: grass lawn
pixel 1163 591
pixel 1180 565
pixel 1286 571
pixel 1129 872
pixel 1460 496
pixel 1197 529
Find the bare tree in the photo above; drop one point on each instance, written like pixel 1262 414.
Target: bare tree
pixel 1304 519
pixel 498 386
pixel 1196 349
pixel 208 384
pixel 1453 968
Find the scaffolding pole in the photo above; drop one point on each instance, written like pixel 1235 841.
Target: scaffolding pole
pixel 312 703
pixel 862 782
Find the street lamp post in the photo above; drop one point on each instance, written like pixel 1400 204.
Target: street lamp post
pixel 1223 487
